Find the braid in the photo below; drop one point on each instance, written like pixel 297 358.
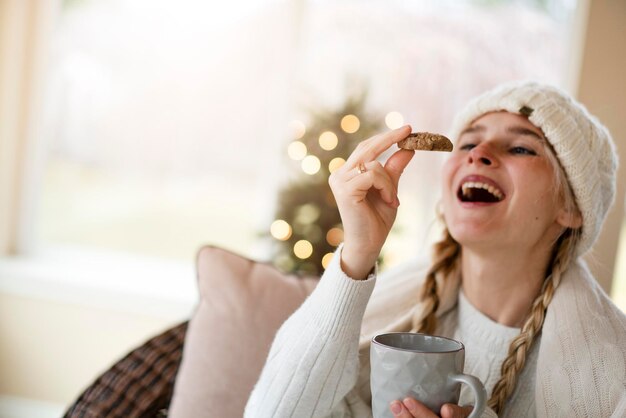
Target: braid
pixel 521 345
pixel 446 253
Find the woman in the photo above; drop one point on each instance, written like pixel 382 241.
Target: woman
pixel 524 195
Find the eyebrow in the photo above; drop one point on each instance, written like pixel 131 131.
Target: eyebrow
pixel 519 130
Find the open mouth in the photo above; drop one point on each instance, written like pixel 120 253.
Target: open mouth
pixel 472 191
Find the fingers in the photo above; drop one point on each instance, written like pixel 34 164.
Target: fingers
pixel 418 409
pixel 365 154
pixel 371 148
pixel 454 411
pixel 399 410
pixel 410 408
pixel 396 164
pixel 375 177
pixel 369 166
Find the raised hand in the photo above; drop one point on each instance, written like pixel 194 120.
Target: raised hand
pixel 367 197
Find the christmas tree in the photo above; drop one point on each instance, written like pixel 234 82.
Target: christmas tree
pixel 307 226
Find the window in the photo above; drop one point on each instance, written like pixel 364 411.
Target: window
pixel 162 135
pixel 170 120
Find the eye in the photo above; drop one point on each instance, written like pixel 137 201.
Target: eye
pixel 467 146
pixel 522 151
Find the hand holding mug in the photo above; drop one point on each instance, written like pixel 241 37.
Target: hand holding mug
pixel 411 408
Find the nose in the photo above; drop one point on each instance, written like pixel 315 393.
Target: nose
pixel 481 155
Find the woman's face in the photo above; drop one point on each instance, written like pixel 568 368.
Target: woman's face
pixel 499 187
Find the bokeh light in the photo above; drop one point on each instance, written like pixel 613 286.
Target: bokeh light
pixel 296 150
pixel 303 249
pixel 334 236
pixel 328 140
pixel 350 124
pixel 327 259
pixel 335 163
pixel 307 213
pixel 394 120
pixel 311 164
pixel 280 230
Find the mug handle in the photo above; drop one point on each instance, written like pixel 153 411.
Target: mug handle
pixel 480 394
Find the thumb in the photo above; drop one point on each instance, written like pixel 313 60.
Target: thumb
pixel 396 164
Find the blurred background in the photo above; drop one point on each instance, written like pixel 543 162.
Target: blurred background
pixel 132 132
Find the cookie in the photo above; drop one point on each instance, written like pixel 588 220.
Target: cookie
pixel 426 141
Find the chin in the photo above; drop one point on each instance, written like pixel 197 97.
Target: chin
pixel 472 233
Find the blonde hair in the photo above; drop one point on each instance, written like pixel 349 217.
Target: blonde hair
pixel 446 263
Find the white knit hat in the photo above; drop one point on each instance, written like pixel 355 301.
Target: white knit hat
pixel 582 144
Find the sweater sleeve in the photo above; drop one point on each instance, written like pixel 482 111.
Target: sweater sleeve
pixel 313 364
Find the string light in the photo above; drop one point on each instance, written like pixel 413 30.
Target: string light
pixel 350 124
pixel 303 249
pixel 296 150
pixel 328 140
pixel 335 163
pixel 394 120
pixel 280 230
pixel 297 129
pixel 311 164
pixel 327 259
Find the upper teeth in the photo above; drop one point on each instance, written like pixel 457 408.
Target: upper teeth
pixel 476 185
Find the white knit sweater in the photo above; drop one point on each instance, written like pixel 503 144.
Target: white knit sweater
pixel 486 346
pixel 577 369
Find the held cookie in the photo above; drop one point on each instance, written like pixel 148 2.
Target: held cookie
pixel 426 141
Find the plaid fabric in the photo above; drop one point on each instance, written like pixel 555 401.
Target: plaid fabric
pixel 139 385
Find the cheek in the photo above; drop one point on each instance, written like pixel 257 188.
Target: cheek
pixel 448 170
pixel 538 189
pixel 542 175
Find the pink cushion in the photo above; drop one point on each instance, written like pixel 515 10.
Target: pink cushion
pixel 242 305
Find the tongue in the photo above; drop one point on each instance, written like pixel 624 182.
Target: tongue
pixel 478 195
